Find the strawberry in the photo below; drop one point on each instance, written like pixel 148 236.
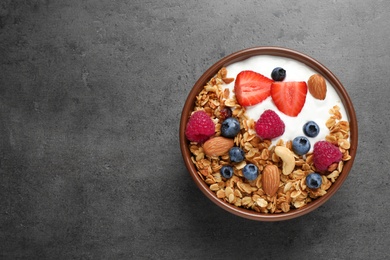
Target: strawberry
pixel 251 88
pixel 289 96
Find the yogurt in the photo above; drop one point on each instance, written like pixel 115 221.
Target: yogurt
pixel 313 110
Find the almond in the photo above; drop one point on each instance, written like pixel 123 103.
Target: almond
pixel 270 179
pixel 217 146
pixel 317 86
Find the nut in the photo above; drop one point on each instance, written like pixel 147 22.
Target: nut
pixel 270 179
pixel 317 86
pixel 287 157
pixel 217 146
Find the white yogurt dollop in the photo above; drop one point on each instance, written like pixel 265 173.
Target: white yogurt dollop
pixel 313 110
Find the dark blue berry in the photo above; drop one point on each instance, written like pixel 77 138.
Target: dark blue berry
pixel 311 129
pixel 278 74
pixel 230 127
pixel 227 171
pixel 236 154
pixel 313 180
pixel 250 172
pixel 301 145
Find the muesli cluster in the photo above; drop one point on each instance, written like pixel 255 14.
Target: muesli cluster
pixel 248 170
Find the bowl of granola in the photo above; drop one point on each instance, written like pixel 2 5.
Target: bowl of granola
pixel 268 133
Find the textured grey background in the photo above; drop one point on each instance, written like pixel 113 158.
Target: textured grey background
pixel 91 94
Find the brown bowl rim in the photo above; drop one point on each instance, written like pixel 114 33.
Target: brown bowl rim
pixel 242 55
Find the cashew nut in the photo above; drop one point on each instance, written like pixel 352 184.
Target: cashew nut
pixel 287 157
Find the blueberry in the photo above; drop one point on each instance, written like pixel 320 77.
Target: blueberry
pixel 278 74
pixel 311 129
pixel 230 127
pixel 236 154
pixel 313 180
pixel 301 145
pixel 227 171
pixel 250 172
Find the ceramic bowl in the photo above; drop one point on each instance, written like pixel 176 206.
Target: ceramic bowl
pixel 240 56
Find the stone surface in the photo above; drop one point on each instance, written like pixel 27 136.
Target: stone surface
pixel 91 94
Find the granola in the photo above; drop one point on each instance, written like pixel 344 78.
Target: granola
pixel 292 192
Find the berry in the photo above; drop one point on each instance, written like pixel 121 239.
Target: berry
pixel 301 145
pixel 225 113
pixel 230 127
pixel 324 154
pixel 313 180
pixel 251 88
pixel 289 97
pixel 269 125
pixel 278 74
pixel 250 172
pixel 227 171
pixel 236 154
pixel 311 129
pixel 199 127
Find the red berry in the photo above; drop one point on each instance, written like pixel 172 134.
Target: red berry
pixel 251 88
pixel 289 97
pixel 200 127
pixel 269 125
pixel 225 113
pixel 324 154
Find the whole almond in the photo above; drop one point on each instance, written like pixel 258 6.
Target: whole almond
pixel 270 179
pixel 217 146
pixel 317 86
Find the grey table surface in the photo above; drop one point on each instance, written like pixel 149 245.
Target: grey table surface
pixel 91 94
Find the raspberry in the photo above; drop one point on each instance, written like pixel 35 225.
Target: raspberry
pixel 269 125
pixel 324 154
pixel 200 127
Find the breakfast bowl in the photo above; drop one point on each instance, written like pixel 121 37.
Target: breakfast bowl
pixel 268 134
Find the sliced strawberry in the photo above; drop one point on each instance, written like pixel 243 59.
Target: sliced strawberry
pixel 289 97
pixel 251 88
